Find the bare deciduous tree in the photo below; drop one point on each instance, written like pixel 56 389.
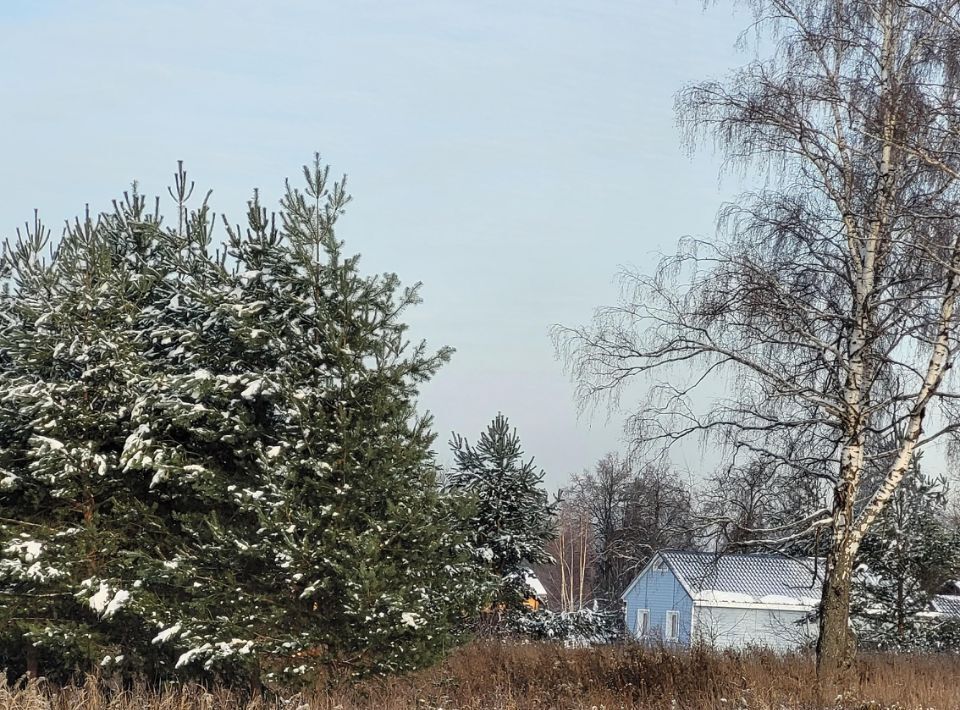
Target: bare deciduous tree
pixel 738 505
pixel 828 299
pixel 602 495
pixel 754 504
pixel 633 511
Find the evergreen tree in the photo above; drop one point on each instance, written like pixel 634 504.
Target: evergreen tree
pixel 513 519
pixel 212 461
pixel 73 525
pixel 903 562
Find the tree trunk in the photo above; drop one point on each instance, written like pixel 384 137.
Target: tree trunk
pixel 33 664
pixel 563 569
pixel 836 646
pixel 582 567
pixel 901 609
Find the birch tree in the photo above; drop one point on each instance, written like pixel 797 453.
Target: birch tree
pixel 569 578
pixel 825 307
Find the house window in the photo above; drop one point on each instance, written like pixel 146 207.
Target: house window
pixel 642 624
pixel 672 630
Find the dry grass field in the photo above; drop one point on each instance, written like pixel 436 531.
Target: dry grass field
pixel 493 676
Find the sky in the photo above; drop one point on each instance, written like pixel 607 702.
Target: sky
pixel 511 156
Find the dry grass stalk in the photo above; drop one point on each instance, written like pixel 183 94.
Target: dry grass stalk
pixel 492 676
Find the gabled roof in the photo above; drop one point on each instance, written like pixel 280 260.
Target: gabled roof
pixel 768 580
pixel 946 604
pixel 535 585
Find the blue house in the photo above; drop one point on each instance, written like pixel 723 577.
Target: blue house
pixel 725 601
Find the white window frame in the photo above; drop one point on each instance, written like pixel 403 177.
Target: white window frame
pixel 673 619
pixel 641 624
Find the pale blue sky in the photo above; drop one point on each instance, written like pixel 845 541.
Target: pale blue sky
pixel 509 154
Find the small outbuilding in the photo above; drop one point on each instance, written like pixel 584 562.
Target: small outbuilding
pixel 725 601
pixel 536 596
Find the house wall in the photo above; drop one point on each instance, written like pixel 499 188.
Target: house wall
pixel 775 629
pixel 659 592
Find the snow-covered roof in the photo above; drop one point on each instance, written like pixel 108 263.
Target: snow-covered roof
pixel 946 604
pixel 767 580
pixel 536 586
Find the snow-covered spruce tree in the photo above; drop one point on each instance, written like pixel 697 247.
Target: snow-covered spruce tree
pixel 72 524
pixel 359 564
pixel 246 489
pixel 907 557
pixel 513 519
